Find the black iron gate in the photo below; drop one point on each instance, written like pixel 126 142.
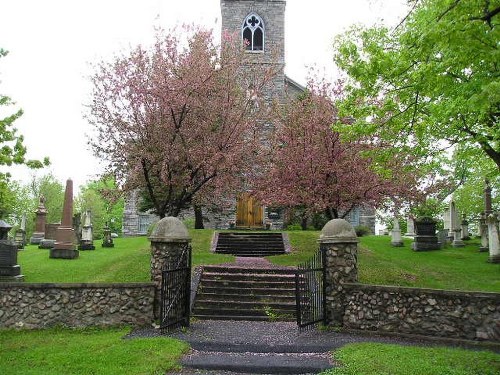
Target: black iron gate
pixel 176 294
pixel 310 291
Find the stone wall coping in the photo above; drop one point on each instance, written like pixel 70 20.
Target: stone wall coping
pixel 169 239
pixel 76 285
pixel 404 289
pixel 326 240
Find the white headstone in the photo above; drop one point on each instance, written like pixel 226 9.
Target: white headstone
pixel 493 238
pixel 396 234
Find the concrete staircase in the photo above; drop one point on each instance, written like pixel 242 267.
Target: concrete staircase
pixel 235 293
pixel 250 244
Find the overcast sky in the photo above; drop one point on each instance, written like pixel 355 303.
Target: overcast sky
pixel 51 43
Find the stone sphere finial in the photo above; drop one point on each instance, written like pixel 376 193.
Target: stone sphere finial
pixel 170 229
pixel 338 230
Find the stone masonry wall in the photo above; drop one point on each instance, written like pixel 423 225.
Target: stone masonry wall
pixel 75 305
pixel 441 313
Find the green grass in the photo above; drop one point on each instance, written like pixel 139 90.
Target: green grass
pixel 385 359
pixel 450 268
pixel 128 261
pixel 86 351
pixel 380 263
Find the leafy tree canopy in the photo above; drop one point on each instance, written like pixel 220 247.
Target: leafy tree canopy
pixel 175 120
pixel 12 151
pixel 430 83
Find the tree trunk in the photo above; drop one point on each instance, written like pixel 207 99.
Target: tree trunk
pixel 303 221
pixel 198 217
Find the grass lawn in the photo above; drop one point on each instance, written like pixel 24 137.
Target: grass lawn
pixel 128 261
pixel 379 263
pixel 388 359
pixel 87 351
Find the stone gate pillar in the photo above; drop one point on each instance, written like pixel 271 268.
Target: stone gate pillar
pixel 339 243
pixel 169 239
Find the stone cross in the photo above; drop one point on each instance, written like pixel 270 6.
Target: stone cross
pixel 493 238
pixel 65 245
pixel 396 240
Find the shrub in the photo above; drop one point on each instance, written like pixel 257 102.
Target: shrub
pixel 362 230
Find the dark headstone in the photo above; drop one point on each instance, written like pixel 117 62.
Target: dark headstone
pixel 107 240
pixel 9 269
pixel 426 238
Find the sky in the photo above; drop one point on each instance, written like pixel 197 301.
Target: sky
pixel 51 44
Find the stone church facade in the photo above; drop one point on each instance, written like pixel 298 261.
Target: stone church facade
pixel 261 24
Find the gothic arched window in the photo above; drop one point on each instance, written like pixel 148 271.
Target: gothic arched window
pixel 253 33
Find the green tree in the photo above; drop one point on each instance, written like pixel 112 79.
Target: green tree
pixel 104 199
pixel 53 191
pixel 12 151
pixel 430 83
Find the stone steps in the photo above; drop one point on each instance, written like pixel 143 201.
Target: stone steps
pixel 247 244
pixel 245 294
pixel 259 363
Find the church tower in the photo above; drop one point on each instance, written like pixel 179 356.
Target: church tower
pixel 261 25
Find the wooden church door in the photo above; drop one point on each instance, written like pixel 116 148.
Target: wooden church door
pixel 248 212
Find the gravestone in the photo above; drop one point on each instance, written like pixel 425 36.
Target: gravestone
pixel 65 247
pixel 493 238
pixel 86 240
pixel 9 269
pixel 465 228
pixel 77 221
pixel 455 228
pixel 20 236
pixel 107 240
pixel 50 236
pixel 410 224
pixel 41 214
pixel 483 230
pixel 447 224
pixel 442 236
pixel 425 238
pixel 396 240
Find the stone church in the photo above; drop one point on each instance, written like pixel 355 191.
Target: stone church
pixel 261 24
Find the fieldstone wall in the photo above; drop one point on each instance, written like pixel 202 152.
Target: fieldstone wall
pixel 441 313
pixel 75 305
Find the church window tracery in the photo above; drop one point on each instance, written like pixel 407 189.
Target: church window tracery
pixel 253 33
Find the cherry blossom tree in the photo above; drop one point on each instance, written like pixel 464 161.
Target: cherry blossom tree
pixel 176 120
pixel 310 166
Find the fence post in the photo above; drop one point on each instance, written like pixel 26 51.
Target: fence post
pixel 339 244
pixel 169 239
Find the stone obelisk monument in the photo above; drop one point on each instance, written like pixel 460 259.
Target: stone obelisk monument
pixel 65 246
